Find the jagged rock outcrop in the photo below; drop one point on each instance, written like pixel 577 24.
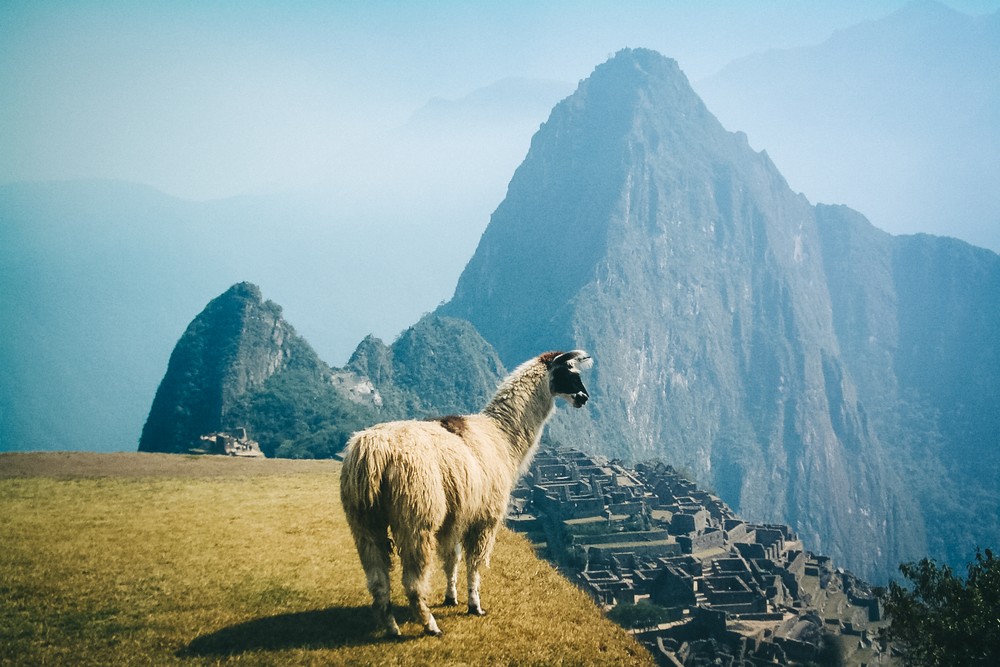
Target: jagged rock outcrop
pixel 806 366
pixel 231 349
pixel 240 365
pixel 722 318
pixel 440 365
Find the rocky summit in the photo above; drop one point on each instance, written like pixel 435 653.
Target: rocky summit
pixel 808 367
pixel 229 352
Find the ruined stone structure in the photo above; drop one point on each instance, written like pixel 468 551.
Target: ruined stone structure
pixel 229 444
pixel 739 593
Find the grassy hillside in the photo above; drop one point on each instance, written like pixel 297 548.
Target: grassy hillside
pixel 168 559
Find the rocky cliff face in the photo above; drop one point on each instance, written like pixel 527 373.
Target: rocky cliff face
pixel 732 335
pixel 232 348
pixel 810 368
pixel 240 364
pixel 919 330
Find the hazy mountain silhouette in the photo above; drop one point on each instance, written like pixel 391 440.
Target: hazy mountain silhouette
pixel 810 367
pixel 897 118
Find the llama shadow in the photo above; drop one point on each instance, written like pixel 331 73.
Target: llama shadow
pixel 322 628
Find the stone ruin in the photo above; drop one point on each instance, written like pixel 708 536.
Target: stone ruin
pixel 732 592
pixel 228 444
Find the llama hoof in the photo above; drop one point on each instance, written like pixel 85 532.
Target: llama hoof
pixel 476 611
pixel 390 625
pixel 450 602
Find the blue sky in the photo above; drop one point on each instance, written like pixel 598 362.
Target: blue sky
pixel 211 100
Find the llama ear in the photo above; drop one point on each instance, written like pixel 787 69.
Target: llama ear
pixel 582 362
pixel 575 360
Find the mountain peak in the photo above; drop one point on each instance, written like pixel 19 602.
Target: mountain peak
pixel 637 81
pixel 640 229
pixel 642 60
pixel 636 119
pixel 240 365
pixel 229 350
pixel 244 291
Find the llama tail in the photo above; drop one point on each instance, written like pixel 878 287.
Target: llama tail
pixel 361 476
pixel 361 493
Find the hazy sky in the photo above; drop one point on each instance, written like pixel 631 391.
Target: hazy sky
pixel 211 100
pixel 208 100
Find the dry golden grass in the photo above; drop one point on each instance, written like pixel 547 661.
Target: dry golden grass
pixel 158 559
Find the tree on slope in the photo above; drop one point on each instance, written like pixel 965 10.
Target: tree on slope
pixel 943 620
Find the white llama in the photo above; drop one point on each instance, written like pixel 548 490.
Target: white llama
pixel 447 483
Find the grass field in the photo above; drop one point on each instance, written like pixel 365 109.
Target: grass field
pixel 153 559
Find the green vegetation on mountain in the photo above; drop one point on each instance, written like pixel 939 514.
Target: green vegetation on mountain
pixel 230 351
pixel 812 369
pixel 295 416
pixel 441 365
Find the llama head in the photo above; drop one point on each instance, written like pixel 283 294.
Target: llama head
pixel 564 375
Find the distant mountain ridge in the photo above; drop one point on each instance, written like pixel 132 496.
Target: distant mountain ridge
pixel 783 353
pixel 895 117
pixel 505 102
pixel 808 366
pixel 99 278
pixel 101 275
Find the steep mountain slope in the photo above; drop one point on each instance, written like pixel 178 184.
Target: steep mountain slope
pixel 639 228
pixel 919 328
pixel 223 372
pixel 240 364
pixel 896 118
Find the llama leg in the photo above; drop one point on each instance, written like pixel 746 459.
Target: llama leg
pixel 451 553
pixel 375 551
pixel 475 606
pixel 478 546
pixel 415 553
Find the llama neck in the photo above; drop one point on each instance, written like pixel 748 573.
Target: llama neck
pixel 520 408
